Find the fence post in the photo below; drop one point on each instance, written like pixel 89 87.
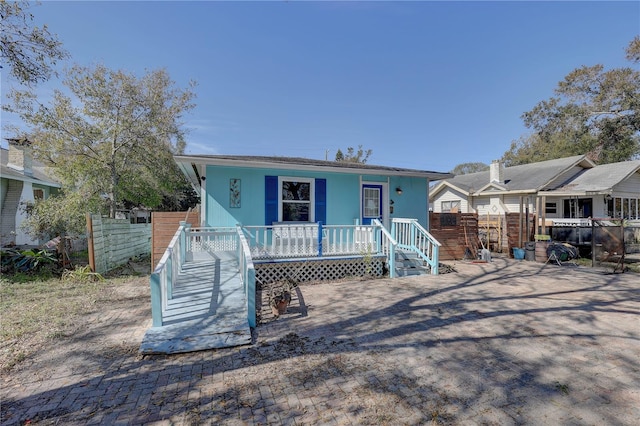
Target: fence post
pixel 90 250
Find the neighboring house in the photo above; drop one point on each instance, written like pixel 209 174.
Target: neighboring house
pixel 22 181
pixel 263 191
pixel 559 191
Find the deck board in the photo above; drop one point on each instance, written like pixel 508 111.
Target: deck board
pixel 208 309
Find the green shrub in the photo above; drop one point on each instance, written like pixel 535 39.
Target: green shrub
pixel 31 262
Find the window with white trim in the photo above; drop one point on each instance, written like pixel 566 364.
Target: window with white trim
pixel 450 206
pixel 623 208
pixel 296 199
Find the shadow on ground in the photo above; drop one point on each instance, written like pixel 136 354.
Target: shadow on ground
pixel 501 343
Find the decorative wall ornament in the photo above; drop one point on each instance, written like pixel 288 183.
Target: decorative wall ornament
pixel 234 193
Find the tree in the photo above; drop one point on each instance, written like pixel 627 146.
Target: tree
pixel 360 156
pixel 466 168
pixel 595 111
pixel 61 214
pixel 30 51
pixel 115 138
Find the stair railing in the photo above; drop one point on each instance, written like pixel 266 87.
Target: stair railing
pixel 412 236
pixel 387 246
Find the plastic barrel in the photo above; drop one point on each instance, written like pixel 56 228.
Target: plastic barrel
pixel 518 253
pixel 530 251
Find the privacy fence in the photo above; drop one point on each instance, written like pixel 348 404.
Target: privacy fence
pixel 163 227
pixel 112 242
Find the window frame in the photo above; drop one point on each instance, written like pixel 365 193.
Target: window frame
pixel 310 202
pixel 551 207
pixel 451 206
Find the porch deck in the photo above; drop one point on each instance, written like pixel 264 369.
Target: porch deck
pixel 208 308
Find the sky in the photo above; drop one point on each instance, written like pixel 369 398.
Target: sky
pixel 424 85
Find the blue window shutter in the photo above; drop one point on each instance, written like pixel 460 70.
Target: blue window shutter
pixel 321 200
pixel 271 200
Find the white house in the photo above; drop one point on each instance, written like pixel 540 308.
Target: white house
pixel 557 191
pixel 22 181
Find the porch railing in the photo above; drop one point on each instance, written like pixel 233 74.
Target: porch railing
pixel 210 239
pixel 165 274
pixel 248 275
pixel 410 235
pixel 312 240
pixel 186 243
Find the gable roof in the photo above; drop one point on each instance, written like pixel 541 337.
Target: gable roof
pixel 39 176
pixel 598 180
pixel 530 177
pixel 188 163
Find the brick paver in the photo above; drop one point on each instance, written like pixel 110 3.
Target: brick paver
pixel 511 342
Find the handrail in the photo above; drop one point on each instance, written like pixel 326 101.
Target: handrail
pixel 389 245
pixel 281 241
pixel 248 276
pixel 412 236
pixel 162 277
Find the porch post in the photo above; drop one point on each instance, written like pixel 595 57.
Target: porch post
pixel 251 296
pixel 320 239
pixel 183 242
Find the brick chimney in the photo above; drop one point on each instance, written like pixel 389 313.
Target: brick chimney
pixel 20 157
pixel 496 172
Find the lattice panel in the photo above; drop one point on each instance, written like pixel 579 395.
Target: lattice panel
pixel 319 270
pixel 204 244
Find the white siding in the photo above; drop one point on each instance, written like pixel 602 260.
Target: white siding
pixel 558 202
pixel 629 188
pixel 483 205
pixel 449 194
pixel 512 203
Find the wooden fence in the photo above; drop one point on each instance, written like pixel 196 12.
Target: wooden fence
pixel 163 227
pixel 520 229
pixel 457 232
pixel 112 242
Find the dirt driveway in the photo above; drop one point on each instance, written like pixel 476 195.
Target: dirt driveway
pixel 511 342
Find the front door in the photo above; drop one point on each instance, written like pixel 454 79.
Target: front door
pixel 372 207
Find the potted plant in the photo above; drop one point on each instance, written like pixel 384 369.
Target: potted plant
pixel 280 297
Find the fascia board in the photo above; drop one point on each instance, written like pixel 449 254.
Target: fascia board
pixel 442 185
pixel 492 185
pixel 573 193
pixel 33 180
pixel 256 164
pixel 527 192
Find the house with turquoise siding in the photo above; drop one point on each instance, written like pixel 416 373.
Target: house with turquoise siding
pixel 278 221
pixel 266 191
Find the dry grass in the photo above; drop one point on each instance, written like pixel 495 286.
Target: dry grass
pixel 32 313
